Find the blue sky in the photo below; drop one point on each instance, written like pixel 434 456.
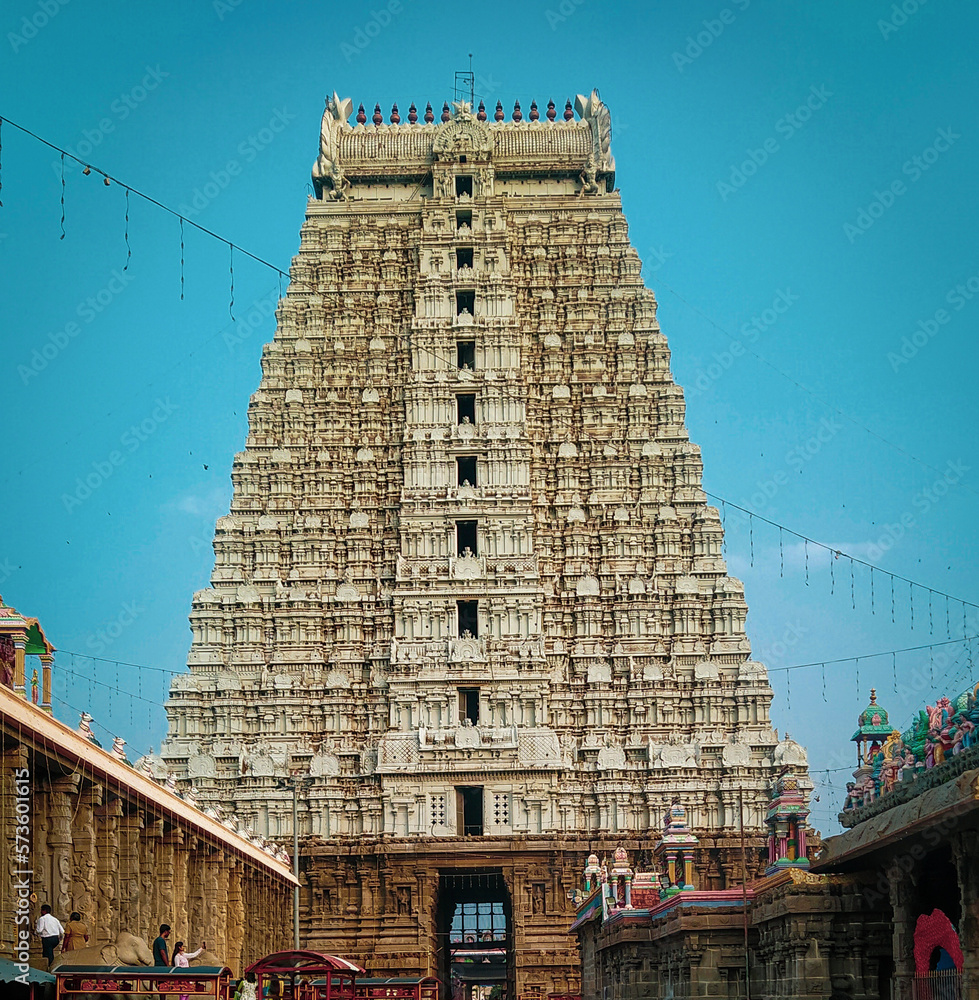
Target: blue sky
pixel 799 182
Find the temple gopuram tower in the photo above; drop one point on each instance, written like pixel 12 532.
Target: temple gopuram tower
pixel 470 594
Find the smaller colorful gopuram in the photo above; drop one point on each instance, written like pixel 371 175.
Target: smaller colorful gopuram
pixel 20 637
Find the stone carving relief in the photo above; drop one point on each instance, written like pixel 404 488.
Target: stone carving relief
pixel 323 764
pixel 736 755
pixel 328 177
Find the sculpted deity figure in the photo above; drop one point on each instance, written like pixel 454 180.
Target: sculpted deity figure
pixel 328 178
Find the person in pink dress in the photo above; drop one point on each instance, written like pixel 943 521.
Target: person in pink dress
pixel 181 958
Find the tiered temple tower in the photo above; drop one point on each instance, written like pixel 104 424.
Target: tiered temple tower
pixel 470 587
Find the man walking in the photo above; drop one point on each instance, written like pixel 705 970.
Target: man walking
pixel 161 957
pixel 49 929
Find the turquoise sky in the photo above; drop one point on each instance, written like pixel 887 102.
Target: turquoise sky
pixel 799 180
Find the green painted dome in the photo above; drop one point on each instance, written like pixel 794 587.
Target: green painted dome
pixel 873 719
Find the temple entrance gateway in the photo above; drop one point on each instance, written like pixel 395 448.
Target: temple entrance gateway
pixel 469 585
pixel 473 918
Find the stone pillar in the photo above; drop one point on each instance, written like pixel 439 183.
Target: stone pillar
pixel 967 866
pixel 688 870
pixel 149 863
pixel 46 660
pixel 234 953
pixel 15 764
pixel 901 888
pixel 170 848
pixel 182 869
pixel 60 842
pixel 215 897
pixel 20 651
pixel 84 882
pixel 130 834
pixel 108 818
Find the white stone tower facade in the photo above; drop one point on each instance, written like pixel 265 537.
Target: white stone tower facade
pixel 469 583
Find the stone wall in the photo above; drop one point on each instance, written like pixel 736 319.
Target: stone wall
pixel 808 936
pixel 125 853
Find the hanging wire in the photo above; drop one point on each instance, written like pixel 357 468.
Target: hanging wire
pixel 823 545
pixel 892 600
pixel 858 675
pixel 1 163
pixel 872 608
pixel 911 603
pixel 894 668
pixel 788 691
pixel 231 304
pixel 853 596
pixel 948 628
pixel 751 540
pixel 145 197
pixel 62 196
pixel 129 252
pixel 182 259
pixel 823 667
pixel 832 574
pixel 805 546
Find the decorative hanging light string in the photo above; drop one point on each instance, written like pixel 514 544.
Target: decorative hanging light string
pixel 870 656
pixel 108 178
pixel 840 554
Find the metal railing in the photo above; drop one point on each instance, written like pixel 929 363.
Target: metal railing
pixel 940 985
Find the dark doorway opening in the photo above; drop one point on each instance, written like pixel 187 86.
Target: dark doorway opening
pixel 469 811
pixel 468 612
pixel 466 302
pixel 469 705
pixel 466 537
pixel 464 257
pixel 466 408
pixel 464 218
pixel 466 470
pixel 464 185
pixel 466 353
pixel 473 924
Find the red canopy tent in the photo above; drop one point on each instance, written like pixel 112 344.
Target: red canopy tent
pixel 305 975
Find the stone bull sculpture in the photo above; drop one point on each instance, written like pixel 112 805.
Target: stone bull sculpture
pixel 127 949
